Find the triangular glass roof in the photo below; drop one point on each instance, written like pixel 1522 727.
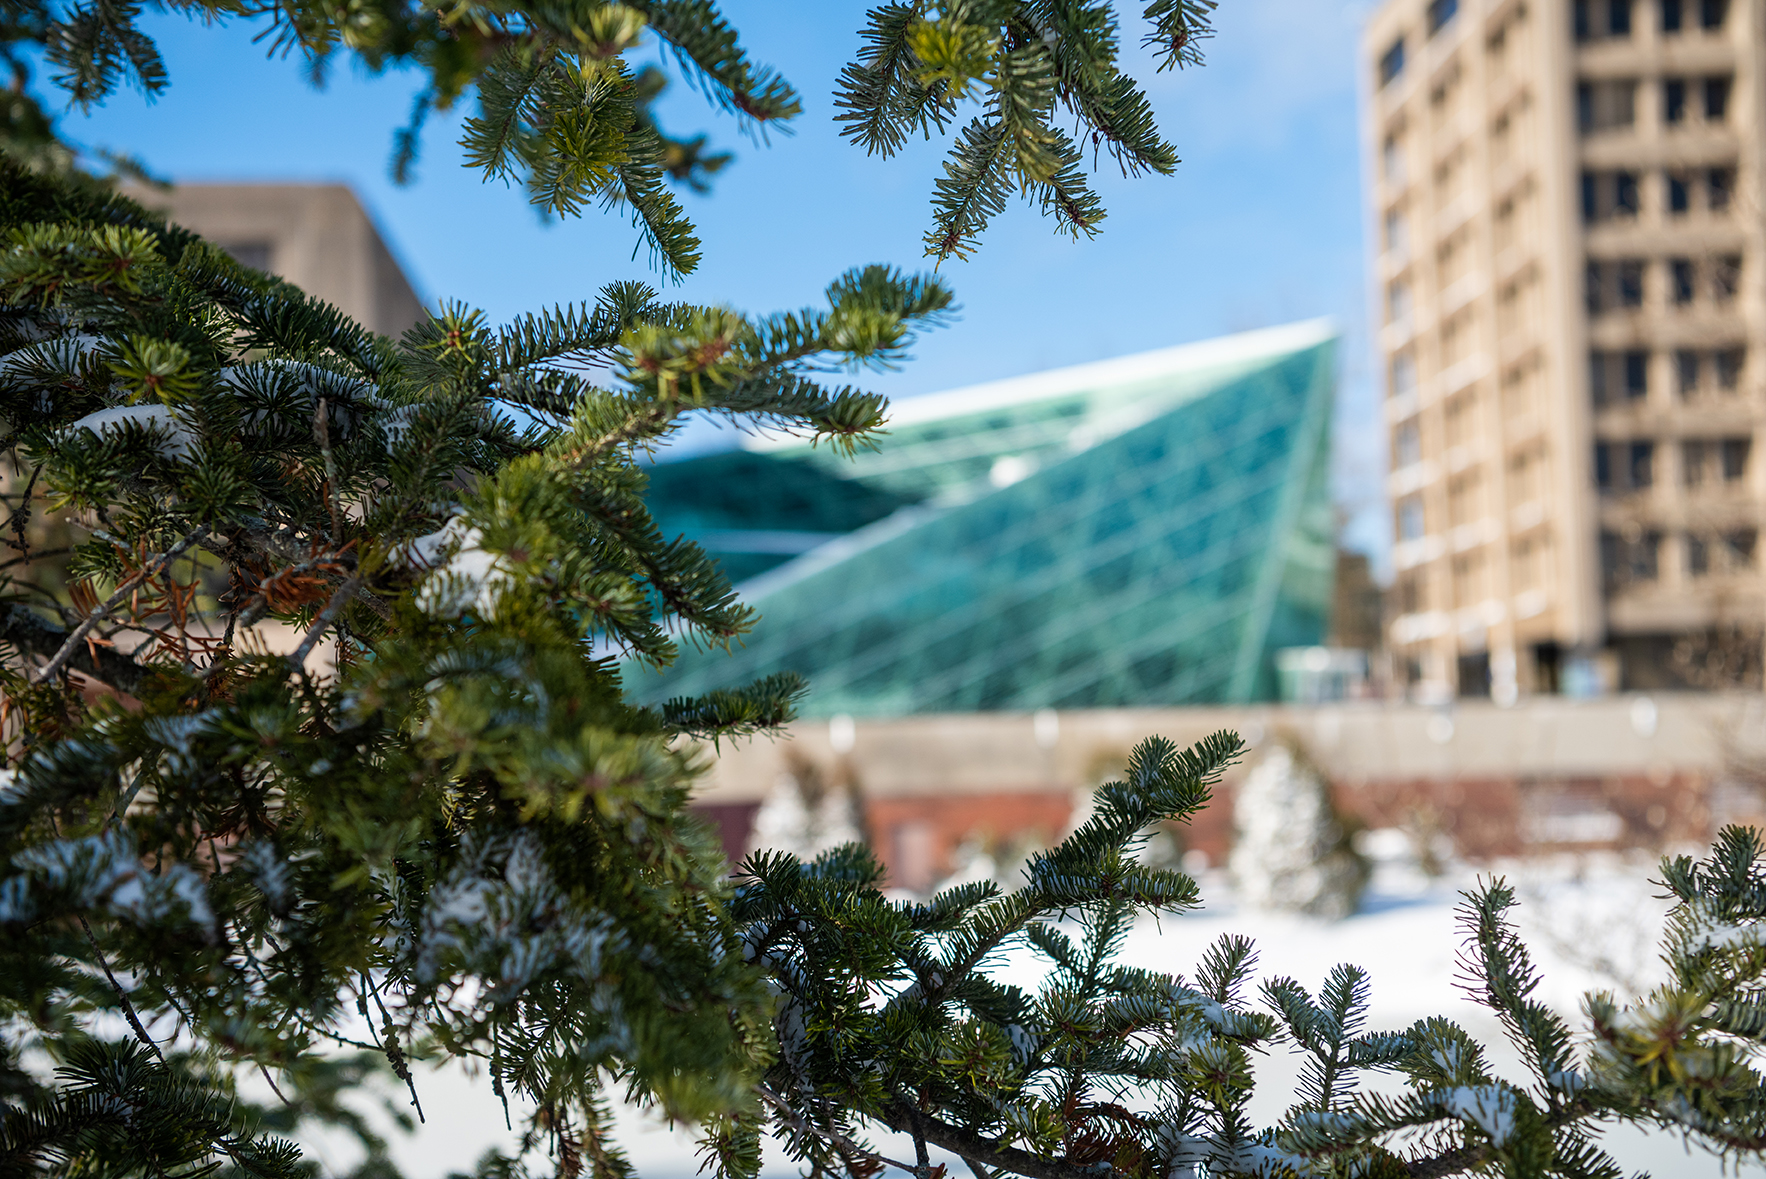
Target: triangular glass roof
pixel 1139 531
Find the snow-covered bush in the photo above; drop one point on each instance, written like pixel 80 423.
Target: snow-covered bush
pixel 1292 850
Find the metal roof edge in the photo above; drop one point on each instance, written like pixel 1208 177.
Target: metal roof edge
pixel 1284 339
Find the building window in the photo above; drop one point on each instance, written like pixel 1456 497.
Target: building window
pixel 1712 460
pixel 1407 445
pixel 1601 18
pixel 1678 197
pixel 1392 62
pixel 1615 285
pixel 1645 554
pixel 1392 161
pixel 1636 376
pixel 1698 555
pixel 1729 363
pixel 256 255
pixel 1719 186
pixel 1716 184
pixel 1398 302
pixel 1613 375
pixel 1716 99
pixel 1462 499
pixel 1640 465
pixel 1672 16
pixel 1397 235
pixel 1693 461
pixel 1712 12
pixel 1725 277
pixel 1411 597
pixel 1739 546
pixel 1674 100
pixel 1626 560
pixel 1686 372
pixel 1727 552
pixel 1609 195
pixel 1606 106
pixel 1403 374
pixel 1735 458
pixel 1410 518
pixel 1684 279
pixel 1631 283
pixel 1725 369
pixel 1440 12
pixel 1623 467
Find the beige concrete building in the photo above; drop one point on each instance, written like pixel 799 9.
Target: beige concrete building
pixel 1569 256
pixel 317 236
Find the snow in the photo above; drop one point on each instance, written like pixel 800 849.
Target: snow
pixel 63 353
pixel 1489 1107
pixel 464 577
pixel 1592 923
pixel 100 869
pixel 175 439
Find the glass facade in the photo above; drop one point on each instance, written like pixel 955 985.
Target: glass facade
pixel 1139 532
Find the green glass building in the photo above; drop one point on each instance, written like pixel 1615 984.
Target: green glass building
pixel 1137 532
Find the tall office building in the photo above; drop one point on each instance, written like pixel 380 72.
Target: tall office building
pixel 1568 251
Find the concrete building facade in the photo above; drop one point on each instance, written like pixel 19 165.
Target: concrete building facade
pixel 1569 248
pixel 317 236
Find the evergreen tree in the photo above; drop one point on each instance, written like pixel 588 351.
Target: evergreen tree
pixel 464 842
pixel 1291 849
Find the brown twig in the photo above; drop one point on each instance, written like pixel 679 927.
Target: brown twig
pixel 323 622
pixel 123 591
pixel 322 434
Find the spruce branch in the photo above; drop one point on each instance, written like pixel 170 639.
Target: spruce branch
pixel 1179 27
pixel 707 45
pixel 879 95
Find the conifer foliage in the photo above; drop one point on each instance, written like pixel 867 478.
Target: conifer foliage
pixel 464 840
pixel 1027 65
pixel 437 828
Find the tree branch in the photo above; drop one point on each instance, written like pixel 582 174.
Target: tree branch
pixel 902 1117
pixel 803 1125
pixel 33 634
pixel 122 995
pixel 128 587
pixel 321 624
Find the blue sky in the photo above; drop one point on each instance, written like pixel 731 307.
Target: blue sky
pixel 1261 225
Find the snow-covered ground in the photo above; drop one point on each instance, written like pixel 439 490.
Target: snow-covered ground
pixel 1592 923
